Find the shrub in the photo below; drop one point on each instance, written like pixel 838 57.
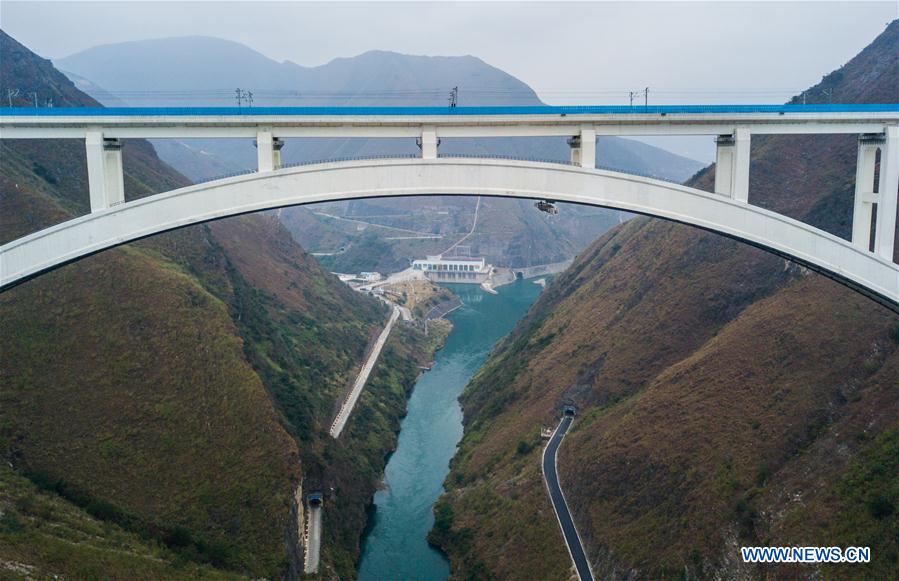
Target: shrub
pixel 894 334
pixel 524 447
pixel 881 507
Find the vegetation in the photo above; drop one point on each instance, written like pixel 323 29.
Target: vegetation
pixel 725 397
pixel 42 535
pixel 509 232
pixel 178 390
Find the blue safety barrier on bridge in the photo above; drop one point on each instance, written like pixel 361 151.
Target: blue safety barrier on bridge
pixel 448 111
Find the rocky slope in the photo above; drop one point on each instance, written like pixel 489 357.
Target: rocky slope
pixel 726 397
pixel 180 388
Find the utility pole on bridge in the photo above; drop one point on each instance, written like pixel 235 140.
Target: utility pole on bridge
pixel 645 93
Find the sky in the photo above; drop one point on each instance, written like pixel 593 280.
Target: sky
pixel 570 52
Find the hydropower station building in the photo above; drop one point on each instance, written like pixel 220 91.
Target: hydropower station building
pixel 460 269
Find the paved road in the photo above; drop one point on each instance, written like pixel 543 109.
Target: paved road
pixel 375 224
pixel 551 477
pixel 347 408
pixel 474 224
pixel 313 540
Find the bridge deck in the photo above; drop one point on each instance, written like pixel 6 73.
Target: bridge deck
pixel 128 122
pixel 617 110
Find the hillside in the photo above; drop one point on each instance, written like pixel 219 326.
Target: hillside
pixel 42 535
pixel 726 397
pixel 194 70
pixel 180 388
pixel 386 234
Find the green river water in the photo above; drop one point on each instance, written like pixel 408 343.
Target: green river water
pixel 395 545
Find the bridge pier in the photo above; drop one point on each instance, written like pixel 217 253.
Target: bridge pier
pixel 732 165
pixel 105 178
pixel 268 151
pixel 888 194
pixel 865 194
pixel 428 142
pixel 583 148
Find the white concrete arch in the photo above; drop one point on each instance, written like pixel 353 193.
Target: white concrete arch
pixel 66 242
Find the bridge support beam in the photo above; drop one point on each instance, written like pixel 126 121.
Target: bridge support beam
pixel 724 164
pixel 428 142
pixel 105 177
pixel 583 148
pixel 888 195
pixel 732 165
pixel 588 148
pixel 277 145
pixel 865 194
pixel 268 151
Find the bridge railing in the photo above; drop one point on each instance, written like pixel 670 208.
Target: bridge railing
pixel 509 157
pixel 449 111
pixel 233 174
pixel 555 161
pixel 352 158
pixel 310 162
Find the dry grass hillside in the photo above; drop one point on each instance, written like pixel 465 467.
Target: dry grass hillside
pixel 383 235
pixel 180 388
pixel 727 397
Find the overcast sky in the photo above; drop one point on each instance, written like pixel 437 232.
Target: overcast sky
pixel 569 52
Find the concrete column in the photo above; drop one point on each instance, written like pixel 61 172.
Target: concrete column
pixel 732 165
pixel 740 178
pixel 865 197
pixel 265 151
pixel 429 142
pixel 888 190
pixel 724 165
pixel 588 147
pixel 575 144
pixel 115 175
pixel 277 145
pixel 105 176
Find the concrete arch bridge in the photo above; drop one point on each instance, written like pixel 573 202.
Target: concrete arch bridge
pixel 113 221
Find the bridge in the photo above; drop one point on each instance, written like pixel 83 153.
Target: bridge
pixel 864 263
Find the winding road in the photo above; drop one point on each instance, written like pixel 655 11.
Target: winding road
pixel 474 225
pixel 551 477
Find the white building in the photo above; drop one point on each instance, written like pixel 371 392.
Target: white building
pixel 370 276
pixel 454 269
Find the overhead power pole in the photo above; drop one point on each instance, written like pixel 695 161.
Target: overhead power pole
pixel 454 97
pixel 644 92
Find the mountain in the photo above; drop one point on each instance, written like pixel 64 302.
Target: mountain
pixel 174 395
pixel 205 71
pixel 726 397
pixel 201 70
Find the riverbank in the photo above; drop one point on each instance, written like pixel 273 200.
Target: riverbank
pixel 395 544
pixel 503 275
pixel 349 470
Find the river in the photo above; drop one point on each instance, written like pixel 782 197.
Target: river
pixel 395 545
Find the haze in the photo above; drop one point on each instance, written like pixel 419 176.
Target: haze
pixel 685 52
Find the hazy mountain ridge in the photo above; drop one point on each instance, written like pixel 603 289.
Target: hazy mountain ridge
pixel 181 387
pixel 200 70
pixel 726 397
pixel 372 78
